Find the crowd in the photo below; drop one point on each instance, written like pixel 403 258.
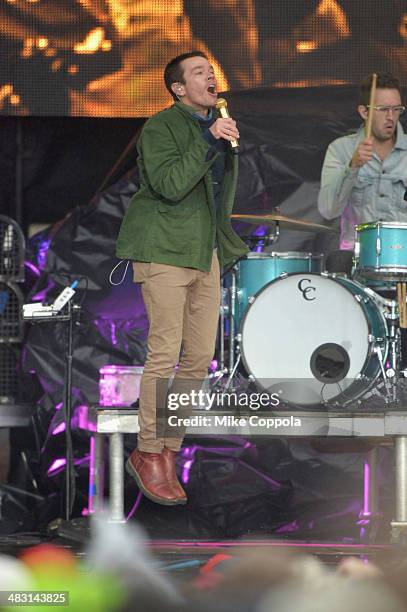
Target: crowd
pixel 117 572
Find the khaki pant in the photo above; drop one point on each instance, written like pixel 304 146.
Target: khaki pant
pixel 183 308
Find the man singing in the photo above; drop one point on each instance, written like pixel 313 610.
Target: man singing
pixel 365 179
pixel 177 231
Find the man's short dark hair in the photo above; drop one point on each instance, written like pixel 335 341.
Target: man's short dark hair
pixel 385 80
pixel 174 73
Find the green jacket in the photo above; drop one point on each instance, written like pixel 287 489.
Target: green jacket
pixel 172 218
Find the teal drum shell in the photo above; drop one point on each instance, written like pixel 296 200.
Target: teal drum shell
pixel 257 269
pixel 381 251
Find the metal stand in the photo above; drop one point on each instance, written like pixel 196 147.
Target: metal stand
pixel 224 311
pixel 399 524
pixel 69 316
pixel 116 455
pixel 96 473
pixel 232 314
pixel 97 468
pixel 111 423
pixel 69 467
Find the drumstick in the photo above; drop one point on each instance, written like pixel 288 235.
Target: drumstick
pixel 401 298
pixel 368 128
pixel 399 302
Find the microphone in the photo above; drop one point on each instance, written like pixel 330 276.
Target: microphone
pixel 222 107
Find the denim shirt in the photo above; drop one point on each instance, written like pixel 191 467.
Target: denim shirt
pixel 374 192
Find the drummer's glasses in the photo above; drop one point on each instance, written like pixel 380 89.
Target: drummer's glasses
pixel 396 110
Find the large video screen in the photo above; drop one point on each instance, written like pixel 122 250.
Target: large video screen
pixel 105 58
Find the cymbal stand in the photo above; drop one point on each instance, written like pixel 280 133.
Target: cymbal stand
pixel 227 313
pixel 274 235
pixel 233 296
pixel 224 311
pixel 233 372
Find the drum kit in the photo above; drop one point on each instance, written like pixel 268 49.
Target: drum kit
pixel 318 339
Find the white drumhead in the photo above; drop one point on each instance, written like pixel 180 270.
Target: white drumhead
pixel 287 324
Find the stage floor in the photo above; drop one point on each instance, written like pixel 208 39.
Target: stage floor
pixel 186 557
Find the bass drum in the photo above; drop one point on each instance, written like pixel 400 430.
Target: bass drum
pixel 314 339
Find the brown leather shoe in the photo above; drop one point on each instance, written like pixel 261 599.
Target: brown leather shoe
pixel 148 471
pixel 168 458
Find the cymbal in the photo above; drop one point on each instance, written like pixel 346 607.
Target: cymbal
pixel 283 221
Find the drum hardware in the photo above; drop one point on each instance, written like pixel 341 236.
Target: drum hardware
pixel 228 313
pixel 392 304
pixel 378 249
pixel 232 373
pixel 385 377
pixel 273 236
pixel 264 240
pixel 391 314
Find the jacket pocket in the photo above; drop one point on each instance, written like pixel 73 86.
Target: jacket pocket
pixel 360 193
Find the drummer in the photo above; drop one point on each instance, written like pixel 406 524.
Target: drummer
pixel 365 179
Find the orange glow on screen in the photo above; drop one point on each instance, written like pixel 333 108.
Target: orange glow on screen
pixel 305 46
pixel 106 57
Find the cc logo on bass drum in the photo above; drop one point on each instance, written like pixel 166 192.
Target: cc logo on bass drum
pixel 307 291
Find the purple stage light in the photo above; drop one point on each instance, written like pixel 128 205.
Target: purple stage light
pixel 42 253
pixel 32 267
pixel 135 506
pixel 56 465
pixel 288 528
pixel 260 231
pixel 366 491
pixel 365 514
pixel 59 429
pixel 185 470
pixel 189 454
pixel 81 413
pixel 113 336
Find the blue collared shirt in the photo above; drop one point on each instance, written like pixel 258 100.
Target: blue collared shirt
pixel 217 145
pixel 374 192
